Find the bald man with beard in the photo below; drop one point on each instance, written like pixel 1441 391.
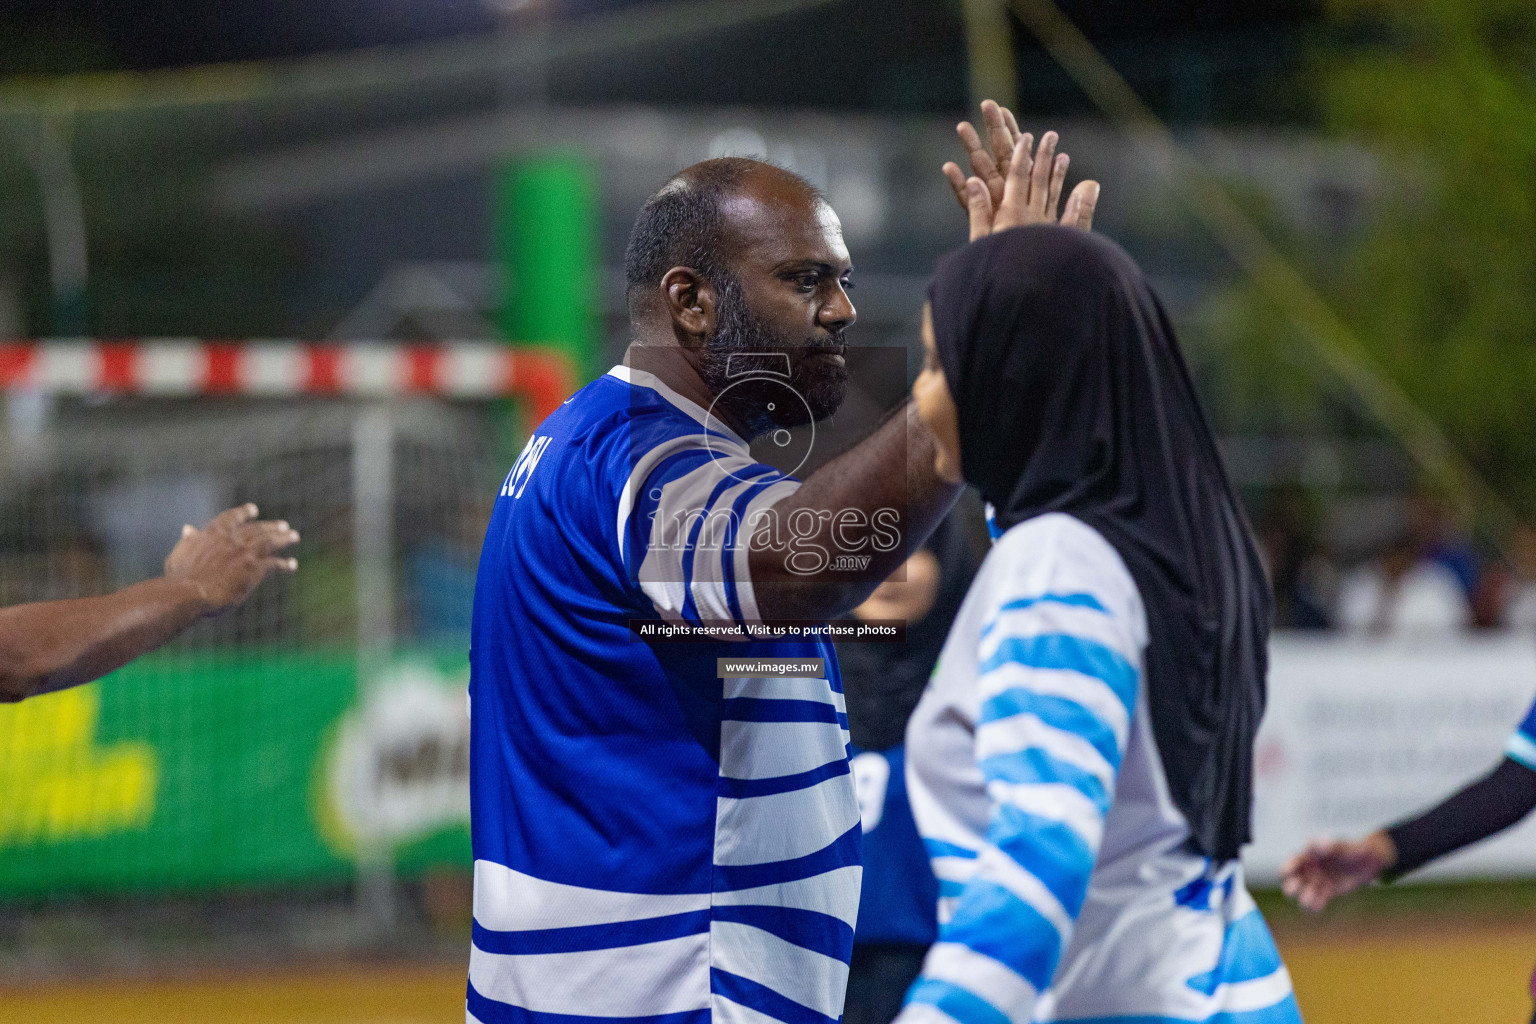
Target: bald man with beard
pixel 659 835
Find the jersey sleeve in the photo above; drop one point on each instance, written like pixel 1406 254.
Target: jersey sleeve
pixel 1059 663
pixel 685 520
pixel 1521 745
pixel 1486 807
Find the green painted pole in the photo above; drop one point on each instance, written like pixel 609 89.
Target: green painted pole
pixel 547 224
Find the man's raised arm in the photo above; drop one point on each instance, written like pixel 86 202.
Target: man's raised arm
pixel 52 645
pixel 880 498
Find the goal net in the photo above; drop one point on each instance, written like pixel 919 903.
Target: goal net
pixel 318 732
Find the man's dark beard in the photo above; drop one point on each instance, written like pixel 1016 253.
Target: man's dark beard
pixel 753 380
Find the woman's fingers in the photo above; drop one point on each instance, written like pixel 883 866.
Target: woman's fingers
pixel 998 133
pixel 1058 178
pixel 982 164
pixel 1024 185
pixel 1013 125
pixel 956 178
pixel 1016 192
pixel 1325 870
pixel 1090 191
pixel 266 538
pixel 1307 877
pixel 1040 173
pixel 979 205
pixel 1080 204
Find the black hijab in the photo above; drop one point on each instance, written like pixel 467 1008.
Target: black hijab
pixel 1073 397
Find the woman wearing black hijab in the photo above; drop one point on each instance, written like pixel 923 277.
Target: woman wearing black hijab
pixel 1080 765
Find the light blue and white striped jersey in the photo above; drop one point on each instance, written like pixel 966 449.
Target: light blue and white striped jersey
pixel 1068 890
pixel 1522 742
pixel 652 843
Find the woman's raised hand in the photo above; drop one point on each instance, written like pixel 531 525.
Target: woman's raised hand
pixel 1013 183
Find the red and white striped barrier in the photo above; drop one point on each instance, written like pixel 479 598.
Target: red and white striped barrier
pixel 182 367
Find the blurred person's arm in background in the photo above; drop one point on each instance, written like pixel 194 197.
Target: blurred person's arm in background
pixel 53 645
pixel 1330 868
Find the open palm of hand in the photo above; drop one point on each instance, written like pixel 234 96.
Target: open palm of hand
pixel 1013 183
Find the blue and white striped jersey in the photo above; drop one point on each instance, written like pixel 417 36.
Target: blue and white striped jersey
pixel 1068 891
pixel 652 843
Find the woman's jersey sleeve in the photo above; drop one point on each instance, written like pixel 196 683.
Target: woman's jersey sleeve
pixel 1058 673
pixel 1521 745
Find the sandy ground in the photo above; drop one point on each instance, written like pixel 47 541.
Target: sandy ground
pixel 393 995
pixel 1459 975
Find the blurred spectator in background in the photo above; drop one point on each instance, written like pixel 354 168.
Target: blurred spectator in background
pixel 1404 592
pixel 1519 606
pixel 441 574
pixel 883 682
pixel 442 587
pixel 1432 524
pixel 1506 595
pixel 1423 585
pixel 1302 578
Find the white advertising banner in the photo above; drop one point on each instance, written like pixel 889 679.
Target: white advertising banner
pixel 1359 734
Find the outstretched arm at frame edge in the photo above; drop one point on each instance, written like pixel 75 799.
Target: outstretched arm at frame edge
pixel 53 645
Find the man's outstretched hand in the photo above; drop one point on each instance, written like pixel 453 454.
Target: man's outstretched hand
pixel 228 558
pixel 1013 183
pixel 51 645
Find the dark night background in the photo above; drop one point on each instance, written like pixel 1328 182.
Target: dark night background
pixel 1195 60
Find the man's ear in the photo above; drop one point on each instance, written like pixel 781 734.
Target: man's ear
pixel 690 300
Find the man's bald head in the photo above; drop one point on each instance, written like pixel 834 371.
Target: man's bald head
pixel 686 222
pixel 736 258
